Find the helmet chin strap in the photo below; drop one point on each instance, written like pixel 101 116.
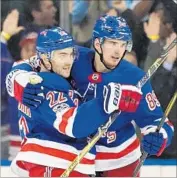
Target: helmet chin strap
pixel 102 58
pixel 51 70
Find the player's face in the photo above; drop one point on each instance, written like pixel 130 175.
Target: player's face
pixel 113 51
pixel 62 61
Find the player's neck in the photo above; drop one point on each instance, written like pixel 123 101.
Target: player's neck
pixel 99 66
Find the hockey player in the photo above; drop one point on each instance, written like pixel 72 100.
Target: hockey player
pixel 118 152
pixel 51 132
pixel 49 142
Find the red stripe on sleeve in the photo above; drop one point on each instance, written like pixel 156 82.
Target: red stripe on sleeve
pixel 18 91
pixel 65 118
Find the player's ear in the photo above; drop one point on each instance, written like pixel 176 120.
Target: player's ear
pixel 97 45
pixel 46 61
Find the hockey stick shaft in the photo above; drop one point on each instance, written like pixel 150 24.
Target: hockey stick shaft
pixel 145 154
pixel 103 129
pixel 156 64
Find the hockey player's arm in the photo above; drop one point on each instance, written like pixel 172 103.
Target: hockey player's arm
pixel 69 119
pixel 96 112
pixel 25 85
pixel 148 117
pixel 90 116
pixel 19 74
pixel 18 84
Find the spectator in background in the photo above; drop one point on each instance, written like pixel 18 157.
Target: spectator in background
pixel 139 8
pixel 38 15
pixel 27 50
pixel 164 81
pixel 9 114
pixel 157 29
pixel 83 17
pixel 28 45
pixel 9 28
pixel 41 15
pixel 165 84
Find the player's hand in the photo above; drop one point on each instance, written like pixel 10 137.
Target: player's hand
pixel 154 143
pixel 32 94
pixel 121 97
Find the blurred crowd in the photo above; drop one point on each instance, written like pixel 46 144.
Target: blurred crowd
pixel 153 24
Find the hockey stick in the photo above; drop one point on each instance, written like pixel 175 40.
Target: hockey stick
pixel 103 129
pixel 145 154
pixel 175 1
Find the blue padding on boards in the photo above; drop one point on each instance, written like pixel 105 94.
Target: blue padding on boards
pixel 148 162
pixel 161 162
pixel 5 163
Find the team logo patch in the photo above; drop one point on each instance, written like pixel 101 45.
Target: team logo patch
pixel 95 78
pixel 60 107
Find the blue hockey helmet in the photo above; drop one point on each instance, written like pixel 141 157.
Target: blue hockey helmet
pixel 112 27
pixel 53 39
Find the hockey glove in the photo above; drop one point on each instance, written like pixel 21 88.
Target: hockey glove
pixel 121 97
pixel 30 94
pixel 154 143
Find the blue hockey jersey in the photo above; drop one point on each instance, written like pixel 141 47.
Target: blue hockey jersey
pixel 120 146
pixel 8 105
pixel 52 131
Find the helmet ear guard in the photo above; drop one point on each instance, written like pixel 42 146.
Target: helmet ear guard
pixel 129 46
pixel 48 54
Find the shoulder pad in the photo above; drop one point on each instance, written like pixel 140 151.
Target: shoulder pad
pixel 55 82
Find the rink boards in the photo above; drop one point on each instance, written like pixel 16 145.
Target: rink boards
pixel 152 168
